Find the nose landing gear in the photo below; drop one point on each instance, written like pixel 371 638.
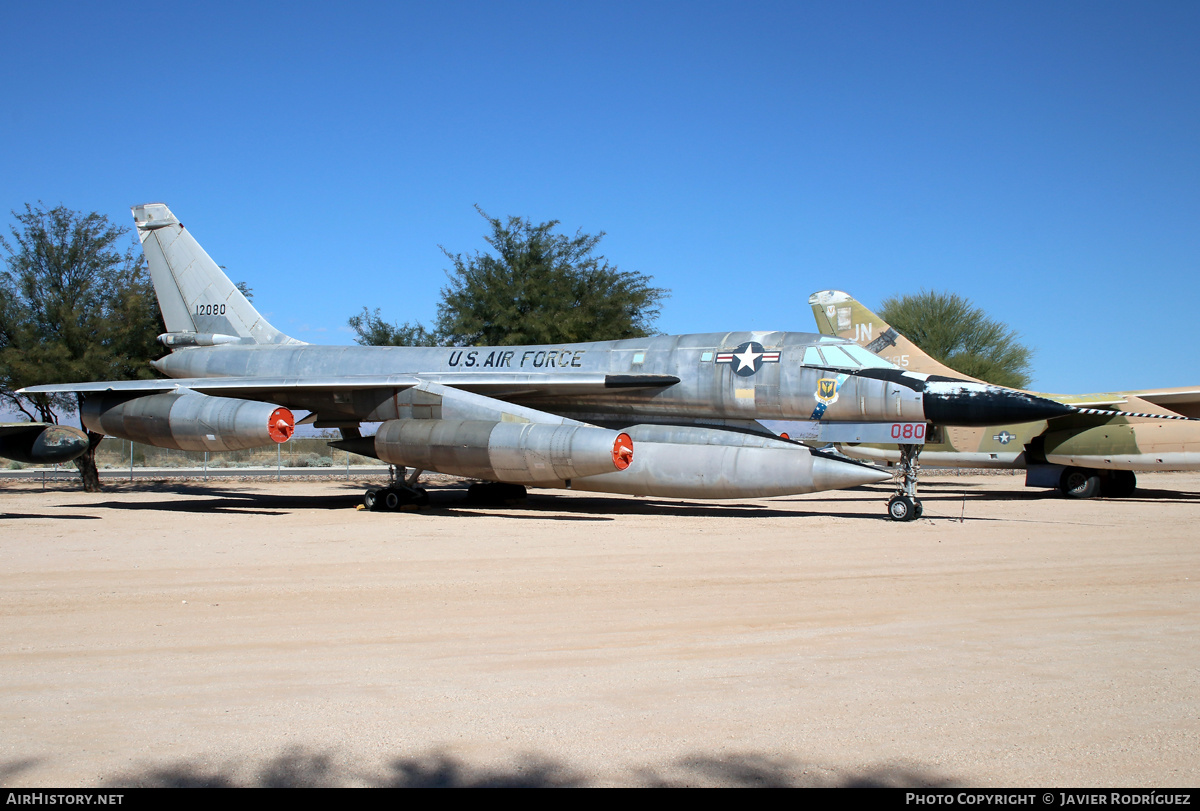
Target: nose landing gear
pixel 905 506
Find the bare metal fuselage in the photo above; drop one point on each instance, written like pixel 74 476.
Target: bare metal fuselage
pixel 604 382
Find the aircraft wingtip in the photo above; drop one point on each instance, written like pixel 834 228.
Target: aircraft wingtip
pixel 153 215
pixel 823 297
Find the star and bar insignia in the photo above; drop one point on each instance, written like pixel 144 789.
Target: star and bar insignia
pixel 748 358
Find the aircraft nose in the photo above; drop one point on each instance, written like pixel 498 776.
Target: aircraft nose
pixel 959 402
pixel 834 474
pixel 58 444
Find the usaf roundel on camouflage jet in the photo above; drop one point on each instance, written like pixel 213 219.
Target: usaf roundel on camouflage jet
pixel 666 416
pixel 1094 450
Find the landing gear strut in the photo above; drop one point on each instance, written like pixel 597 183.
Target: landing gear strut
pixel 905 506
pixel 401 494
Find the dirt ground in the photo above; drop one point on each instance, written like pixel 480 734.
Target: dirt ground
pixel 263 633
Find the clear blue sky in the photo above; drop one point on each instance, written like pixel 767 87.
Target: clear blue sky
pixel 1042 159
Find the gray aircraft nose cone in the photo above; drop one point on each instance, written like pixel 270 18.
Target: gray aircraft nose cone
pixel 834 474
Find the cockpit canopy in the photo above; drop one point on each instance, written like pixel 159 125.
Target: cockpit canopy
pixel 839 354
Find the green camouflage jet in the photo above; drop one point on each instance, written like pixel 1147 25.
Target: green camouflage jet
pixel 1092 452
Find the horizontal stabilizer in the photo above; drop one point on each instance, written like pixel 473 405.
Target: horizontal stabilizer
pixel 1185 401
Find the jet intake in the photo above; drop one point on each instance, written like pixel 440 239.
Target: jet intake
pixel 187 421
pixel 514 452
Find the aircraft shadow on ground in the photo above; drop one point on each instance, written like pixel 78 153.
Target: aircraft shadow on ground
pixel 215 499
pixel 75 517
pixel 451 500
pixel 299 768
pixel 546 506
pixel 1150 496
pixel 957 491
pixel 11 768
pixel 543 505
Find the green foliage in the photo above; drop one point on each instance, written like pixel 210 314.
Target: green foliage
pixel 374 331
pixel 536 287
pixel 961 335
pixel 74 305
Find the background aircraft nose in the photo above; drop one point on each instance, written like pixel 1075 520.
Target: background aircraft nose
pixel 834 474
pixel 59 443
pixel 36 443
pixel 958 402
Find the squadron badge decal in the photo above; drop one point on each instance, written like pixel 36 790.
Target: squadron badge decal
pixel 748 358
pixel 826 394
pixel 827 390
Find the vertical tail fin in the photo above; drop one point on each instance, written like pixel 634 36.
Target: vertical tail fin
pixel 193 292
pixel 837 313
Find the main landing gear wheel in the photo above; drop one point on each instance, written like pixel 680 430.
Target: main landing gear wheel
pixel 904 508
pixel 396 498
pixel 1078 482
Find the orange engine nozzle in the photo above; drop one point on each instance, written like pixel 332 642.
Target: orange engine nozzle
pixel 622 452
pixel 281 425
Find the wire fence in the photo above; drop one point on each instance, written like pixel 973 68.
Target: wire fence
pixel 310 452
pixel 113 455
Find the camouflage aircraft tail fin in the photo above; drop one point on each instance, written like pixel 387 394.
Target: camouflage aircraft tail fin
pixel 837 313
pixel 194 294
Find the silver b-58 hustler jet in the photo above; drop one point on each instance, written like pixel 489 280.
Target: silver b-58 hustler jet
pixel 668 415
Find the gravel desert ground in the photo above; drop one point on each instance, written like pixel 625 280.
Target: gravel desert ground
pixel 264 633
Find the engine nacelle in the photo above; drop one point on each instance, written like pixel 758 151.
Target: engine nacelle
pixel 698 462
pixel 187 421
pixel 515 452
